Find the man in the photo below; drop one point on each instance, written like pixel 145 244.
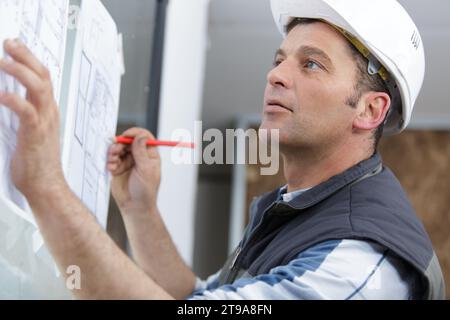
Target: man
pixel 341 228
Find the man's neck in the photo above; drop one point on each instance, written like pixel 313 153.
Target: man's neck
pixel 305 169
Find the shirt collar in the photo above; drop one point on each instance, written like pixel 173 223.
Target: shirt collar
pixel 325 189
pixel 288 196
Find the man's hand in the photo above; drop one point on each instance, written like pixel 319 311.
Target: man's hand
pixel 74 237
pixel 36 164
pixel 136 173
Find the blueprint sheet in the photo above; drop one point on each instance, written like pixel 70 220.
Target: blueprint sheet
pixel 27 270
pixel 42 26
pixel 92 108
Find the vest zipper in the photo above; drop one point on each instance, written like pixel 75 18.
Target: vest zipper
pixel 253 238
pixel 236 255
pixel 234 268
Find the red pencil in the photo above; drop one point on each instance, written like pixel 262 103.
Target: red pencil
pixel 156 143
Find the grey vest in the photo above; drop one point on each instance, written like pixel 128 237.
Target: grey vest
pixel 366 202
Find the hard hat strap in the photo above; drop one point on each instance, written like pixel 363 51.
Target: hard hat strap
pixel 375 67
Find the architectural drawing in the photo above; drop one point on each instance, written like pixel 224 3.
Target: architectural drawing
pixel 92 109
pixel 86 85
pixel 42 26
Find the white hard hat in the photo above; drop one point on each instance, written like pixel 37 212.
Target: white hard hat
pixel 384 31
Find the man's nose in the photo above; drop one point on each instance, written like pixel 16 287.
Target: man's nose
pixel 281 75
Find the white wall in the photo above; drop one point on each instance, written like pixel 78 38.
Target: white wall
pixel 181 100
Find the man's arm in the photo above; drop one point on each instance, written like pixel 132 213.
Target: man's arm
pixel 154 251
pixel 69 230
pixel 136 179
pixel 75 238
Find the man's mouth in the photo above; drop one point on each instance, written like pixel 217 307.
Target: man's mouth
pixel 273 105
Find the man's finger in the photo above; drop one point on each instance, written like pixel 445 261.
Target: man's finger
pixel 139 149
pixel 121 167
pixel 113 159
pixel 19 52
pixel 117 157
pixel 26 112
pixel 134 132
pixel 27 77
pixel 141 153
pixel 118 149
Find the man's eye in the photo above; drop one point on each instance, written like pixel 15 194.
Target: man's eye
pixel 276 63
pixel 313 65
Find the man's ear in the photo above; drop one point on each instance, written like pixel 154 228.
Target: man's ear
pixel 371 110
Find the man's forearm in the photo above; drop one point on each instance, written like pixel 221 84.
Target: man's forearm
pixel 155 252
pixel 75 238
pixel 71 232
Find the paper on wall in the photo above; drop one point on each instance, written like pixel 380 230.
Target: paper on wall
pixel 92 107
pixel 42 26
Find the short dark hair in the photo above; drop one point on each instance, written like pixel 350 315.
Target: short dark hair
pixel 364 81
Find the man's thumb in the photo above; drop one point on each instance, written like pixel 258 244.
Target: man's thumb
pixel 139 149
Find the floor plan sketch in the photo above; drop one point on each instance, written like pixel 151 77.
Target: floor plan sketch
pixel 93 107
pixel 11 17
pixel 43 30
pixel 86 65
pixel 95 139
pixel 85 75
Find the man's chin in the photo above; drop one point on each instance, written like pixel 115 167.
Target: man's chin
pixel 270 125
pixel 269 130
pixel 285 134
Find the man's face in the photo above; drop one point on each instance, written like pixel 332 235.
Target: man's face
pixel 313 77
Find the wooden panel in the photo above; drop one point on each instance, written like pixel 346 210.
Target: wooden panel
pixel 421 161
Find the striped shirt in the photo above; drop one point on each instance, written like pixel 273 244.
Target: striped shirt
pixel 337 269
